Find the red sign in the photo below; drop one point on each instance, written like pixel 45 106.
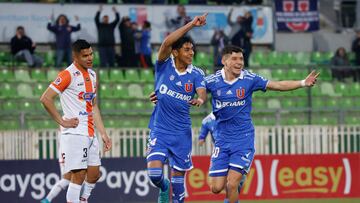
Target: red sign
pixel 285 176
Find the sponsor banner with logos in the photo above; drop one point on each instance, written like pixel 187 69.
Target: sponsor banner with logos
pixel 297 15
pixel 122 180
pixel 34 18
pixel 285 176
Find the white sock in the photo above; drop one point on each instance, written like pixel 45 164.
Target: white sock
pixel 73 193
pixel 56 189
pixel 87 188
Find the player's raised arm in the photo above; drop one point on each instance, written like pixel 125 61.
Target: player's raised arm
pixel 165 48
pixel 287 85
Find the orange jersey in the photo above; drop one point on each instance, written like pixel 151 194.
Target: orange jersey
pixel 77 90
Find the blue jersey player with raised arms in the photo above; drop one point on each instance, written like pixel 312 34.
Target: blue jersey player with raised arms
pixel 231 89
pixel 176 83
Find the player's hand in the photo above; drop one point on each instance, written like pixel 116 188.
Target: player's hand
pixel 100 7
pixel 196 102
pixel 310 80
pixel 107 142
pixel 201 142
pixel 153 97
pixel 199 20
pixel 70 123
pixel 76 18
pixel 114 9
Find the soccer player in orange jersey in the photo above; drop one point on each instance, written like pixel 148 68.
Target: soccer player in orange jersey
pixel 76 86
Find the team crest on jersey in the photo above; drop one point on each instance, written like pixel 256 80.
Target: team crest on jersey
pixel 172 77
pixel 57 81
pixel 189 87
pixel 240 93
pixel 87 96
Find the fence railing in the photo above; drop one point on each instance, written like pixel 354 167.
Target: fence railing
pixel 131 142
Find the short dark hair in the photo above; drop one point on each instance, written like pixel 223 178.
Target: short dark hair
pixel 181 41
pixel 147 24
pixel 79 45
pixel 230 49
pixel 20 28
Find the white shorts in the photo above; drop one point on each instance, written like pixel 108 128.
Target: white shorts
pixel 79 152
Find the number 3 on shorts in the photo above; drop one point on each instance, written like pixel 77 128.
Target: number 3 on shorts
pixel 215 152
pixel 85 152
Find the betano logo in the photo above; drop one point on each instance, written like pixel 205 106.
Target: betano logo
pixel 309 179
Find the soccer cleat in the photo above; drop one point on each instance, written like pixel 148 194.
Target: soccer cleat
pixel 164 195
pixel 45 201
pixel 83 200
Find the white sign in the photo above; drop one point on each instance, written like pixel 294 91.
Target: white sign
pixel 34 18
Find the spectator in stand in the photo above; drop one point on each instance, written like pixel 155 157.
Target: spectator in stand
pixel 341 65
pixel 62 31
pixel 219 40
pixel 356 48
pixel 128 57
pixel 145 46
pixel 180 20
pixel 106 39
pixel 22 47
pixel 235 28
pixel 137 41
pixel 246 35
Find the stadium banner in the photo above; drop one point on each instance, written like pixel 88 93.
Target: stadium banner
pixel 34 18
pixel 297 15
pixel 122 180
pixel 285 176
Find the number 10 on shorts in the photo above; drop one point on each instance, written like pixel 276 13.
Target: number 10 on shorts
pixel 215 152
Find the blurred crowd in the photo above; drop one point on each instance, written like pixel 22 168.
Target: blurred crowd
pixel 136 50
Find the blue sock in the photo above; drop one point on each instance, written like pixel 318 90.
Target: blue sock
pixel 178 188
pixel 227 201
pixel 157 178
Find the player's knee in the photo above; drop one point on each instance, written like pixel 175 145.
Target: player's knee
pixel 216 189
pixel 155 175
pixel 232 184
pixel 78 176
pixel 93 177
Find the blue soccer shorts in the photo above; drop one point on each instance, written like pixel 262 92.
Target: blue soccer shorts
pixel 233 156
pixel 173 148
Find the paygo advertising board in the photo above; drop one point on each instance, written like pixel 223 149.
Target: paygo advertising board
pixel 285 176
pixel 122 180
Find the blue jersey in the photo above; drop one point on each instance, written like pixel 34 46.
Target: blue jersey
pixel 174 90
pixel 208 126
pixel 231 103
pixel 145 46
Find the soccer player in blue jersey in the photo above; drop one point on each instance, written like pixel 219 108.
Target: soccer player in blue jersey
pixel 207 126
pixel 176 83
pixel 231 89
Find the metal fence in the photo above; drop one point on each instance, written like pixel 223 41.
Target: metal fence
pixel 131 142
